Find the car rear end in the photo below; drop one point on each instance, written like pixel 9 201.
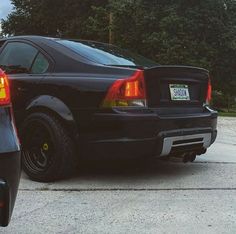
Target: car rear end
pixel 131 106
pixel 180 97
pixel 159 111
pixel 9 154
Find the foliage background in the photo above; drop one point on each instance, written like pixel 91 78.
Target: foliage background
pixel 190 32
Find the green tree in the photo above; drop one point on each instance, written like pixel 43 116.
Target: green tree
pixel 194 32
pixel 190 32
pixel 65 18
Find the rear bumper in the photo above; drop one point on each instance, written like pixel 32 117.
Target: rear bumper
pixel 10 170
pixel 148 133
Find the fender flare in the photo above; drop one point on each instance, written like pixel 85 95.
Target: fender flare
pixel 54 105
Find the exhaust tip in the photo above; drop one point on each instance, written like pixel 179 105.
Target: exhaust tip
pixel 182 158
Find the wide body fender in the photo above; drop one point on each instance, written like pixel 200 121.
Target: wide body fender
pixel 55 106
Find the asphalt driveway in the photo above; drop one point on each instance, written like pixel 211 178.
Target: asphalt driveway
pixel 137 196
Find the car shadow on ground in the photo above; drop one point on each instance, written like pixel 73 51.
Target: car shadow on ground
pixel 125 174
pixel 138 167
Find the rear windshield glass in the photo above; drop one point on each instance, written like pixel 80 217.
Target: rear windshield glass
pixel 107 54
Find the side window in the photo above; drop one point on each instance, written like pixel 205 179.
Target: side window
pixel 40 65
pixel 17 57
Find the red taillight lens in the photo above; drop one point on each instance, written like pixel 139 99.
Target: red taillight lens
pixel 127 92
pixel 209 92
pixel 4 89
pixel 132 89
pixel 5 98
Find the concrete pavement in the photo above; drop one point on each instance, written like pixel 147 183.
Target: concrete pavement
pixel 137 197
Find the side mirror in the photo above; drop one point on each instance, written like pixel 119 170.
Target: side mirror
pixel 4 204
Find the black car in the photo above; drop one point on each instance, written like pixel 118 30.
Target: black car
pixel 9 154
pixel 76 98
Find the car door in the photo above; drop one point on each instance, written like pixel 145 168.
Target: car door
pixel 25 66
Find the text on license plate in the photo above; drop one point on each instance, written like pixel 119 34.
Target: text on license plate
pixel 179 92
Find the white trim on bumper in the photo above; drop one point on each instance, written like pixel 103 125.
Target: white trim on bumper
pixel 169 142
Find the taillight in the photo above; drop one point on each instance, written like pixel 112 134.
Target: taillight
pixel 4 89
pixel 127 92
pixel 209 92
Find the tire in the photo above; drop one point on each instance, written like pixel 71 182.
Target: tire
pixel 48 151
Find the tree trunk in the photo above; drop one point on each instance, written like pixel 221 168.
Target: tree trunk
pixel 111 33
pixel 228 102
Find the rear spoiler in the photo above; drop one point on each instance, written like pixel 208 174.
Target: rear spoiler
pixel 176 68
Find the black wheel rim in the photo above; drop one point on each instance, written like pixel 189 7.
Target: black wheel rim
pixel 38 147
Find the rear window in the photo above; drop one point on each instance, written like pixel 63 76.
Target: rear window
pixel 107 54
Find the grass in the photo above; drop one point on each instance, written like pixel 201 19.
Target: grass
pixel 227 114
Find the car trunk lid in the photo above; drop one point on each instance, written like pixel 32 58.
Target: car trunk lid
pixel 176 86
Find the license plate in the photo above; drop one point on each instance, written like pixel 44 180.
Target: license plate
pixel 179 92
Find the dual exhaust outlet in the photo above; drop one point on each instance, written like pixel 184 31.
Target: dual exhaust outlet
pixel 185 157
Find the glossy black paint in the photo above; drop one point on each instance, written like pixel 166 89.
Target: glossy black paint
pixel 10 170
pixel 74 88
pixel 72 82
pixel 8 137
pixel 134 133
pixel 195 78
pixel 9 164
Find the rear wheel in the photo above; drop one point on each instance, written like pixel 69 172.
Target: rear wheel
pixel 48 151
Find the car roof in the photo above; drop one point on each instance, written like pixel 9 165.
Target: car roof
pixel 57 51
pixel 54 50
pixel 35 38
pixel 28 38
